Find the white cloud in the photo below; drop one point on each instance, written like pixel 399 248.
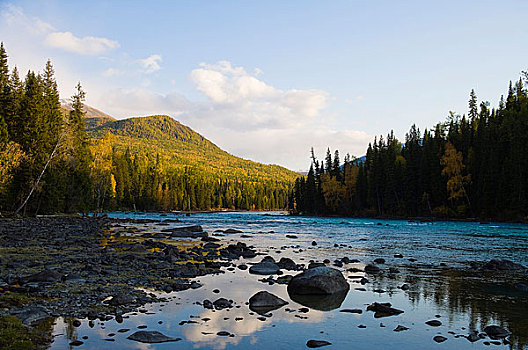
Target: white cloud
pixel 88 45
pixel 112 72
pixel 136 102
pixel 15 16
pixel 246 116
pixel 240 100
pixel 151 63
pixel 354 100
pixel 32 31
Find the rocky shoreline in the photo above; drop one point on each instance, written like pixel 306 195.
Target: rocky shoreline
pixel 77 267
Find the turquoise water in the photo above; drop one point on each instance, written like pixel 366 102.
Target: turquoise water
pixel 462 305
pixel 430 242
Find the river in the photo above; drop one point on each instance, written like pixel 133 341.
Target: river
pixel 428 256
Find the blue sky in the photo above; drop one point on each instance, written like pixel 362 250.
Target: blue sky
pixel 268 80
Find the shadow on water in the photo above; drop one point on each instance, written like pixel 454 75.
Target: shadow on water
pixel 320 302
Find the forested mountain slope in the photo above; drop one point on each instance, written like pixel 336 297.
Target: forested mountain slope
pixel 183 147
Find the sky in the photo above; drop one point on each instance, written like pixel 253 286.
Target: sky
pixel 268 80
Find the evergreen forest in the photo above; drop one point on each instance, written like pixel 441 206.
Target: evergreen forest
pixel 469 166
pixel 53 161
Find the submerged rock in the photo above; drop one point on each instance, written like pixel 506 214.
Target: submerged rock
pixel 222 303
pixel 352 311
pixel 439 339
pixel 319 280
pixel 473 337
pixel 317 343
pixel 370 268
pixel 383 310
pixel 496 332
pixel 434 323
pixel 151 337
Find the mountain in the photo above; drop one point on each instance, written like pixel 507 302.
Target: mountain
pixel 93 117
pixel 183 148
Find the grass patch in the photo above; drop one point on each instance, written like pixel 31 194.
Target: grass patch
pixel 15 336
pixel 12 300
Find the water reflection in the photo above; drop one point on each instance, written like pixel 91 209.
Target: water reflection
pixel 326 302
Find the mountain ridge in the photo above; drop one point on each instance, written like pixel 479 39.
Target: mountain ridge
pixel 180 145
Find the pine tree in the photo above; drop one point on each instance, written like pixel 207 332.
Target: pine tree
pixel 80 184
pixel 328 162
pixel 53 120
pixel 473 113
pixel 336 166
pixel 4 85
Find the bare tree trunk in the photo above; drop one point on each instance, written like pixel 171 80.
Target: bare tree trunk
pixel 23 206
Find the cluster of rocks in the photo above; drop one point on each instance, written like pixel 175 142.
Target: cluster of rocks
pixel 85 267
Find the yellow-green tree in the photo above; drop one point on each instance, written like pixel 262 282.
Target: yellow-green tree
pixel 101 169
pixel 334 192
pixel 452 161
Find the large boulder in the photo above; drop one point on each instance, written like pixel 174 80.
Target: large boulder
pixel 318 281
pixel 263 302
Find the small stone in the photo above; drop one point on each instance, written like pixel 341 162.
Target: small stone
pixel 317 343
pixel 352 311
pixel 400 328
pixel 370 268
pixel 434 323
pixel 439 339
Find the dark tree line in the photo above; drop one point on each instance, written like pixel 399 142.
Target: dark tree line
pixel 147 182
pixel 44 155
pixel 468 166
pixel 48 165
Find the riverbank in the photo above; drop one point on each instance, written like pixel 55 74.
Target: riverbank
pixel 94 268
